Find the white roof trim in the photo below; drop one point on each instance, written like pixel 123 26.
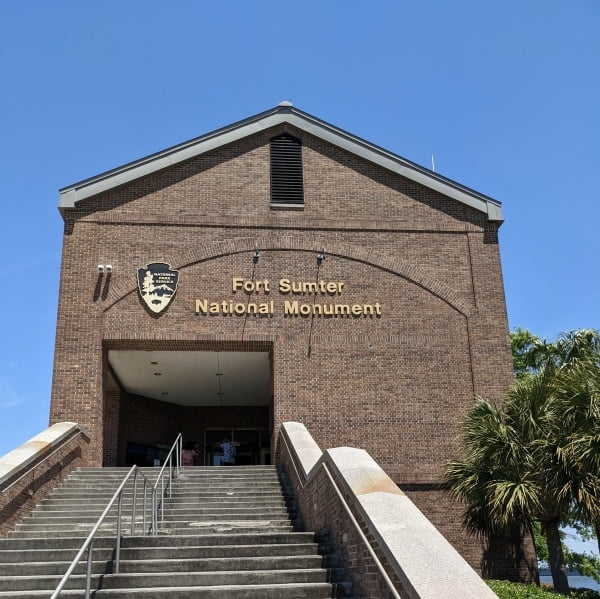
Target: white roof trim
pixel 69 196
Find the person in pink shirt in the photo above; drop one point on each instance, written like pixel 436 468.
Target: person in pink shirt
pixel 188 454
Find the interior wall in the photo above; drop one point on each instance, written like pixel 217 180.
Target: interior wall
pixel 147 421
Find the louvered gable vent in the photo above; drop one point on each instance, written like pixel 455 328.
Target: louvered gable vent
pixel 286 170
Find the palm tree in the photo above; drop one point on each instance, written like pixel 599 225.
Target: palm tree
pixel 575 359
pixel 537 457
pixel 563 353
pixel 577 393
pixel 507 476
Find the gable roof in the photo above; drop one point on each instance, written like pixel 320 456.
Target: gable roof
pixel 283 113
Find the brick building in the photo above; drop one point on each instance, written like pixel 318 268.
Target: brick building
pixel 281 269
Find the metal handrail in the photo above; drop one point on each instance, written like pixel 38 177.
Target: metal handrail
pixel 89 542
pixel 353 520
pixel 36 464
pixel 174 453
pixel 134 502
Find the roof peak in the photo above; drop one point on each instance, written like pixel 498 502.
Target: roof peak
pixel 285 112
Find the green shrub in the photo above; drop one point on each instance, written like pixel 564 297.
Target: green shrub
pixel 516 590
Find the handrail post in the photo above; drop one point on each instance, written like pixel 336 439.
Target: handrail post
pixel 171 475
pixel 168 481
pixel 88 574
pixel 162 497
pixel 154 516
pixel 118 550
pixel 158 502
pixel 133 507
pixel 144 531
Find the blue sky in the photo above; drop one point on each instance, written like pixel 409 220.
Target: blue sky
pixel 504 94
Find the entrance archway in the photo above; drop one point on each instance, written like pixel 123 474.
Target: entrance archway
pixel 204 394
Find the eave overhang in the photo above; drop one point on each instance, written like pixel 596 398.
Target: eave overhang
pixel 284 113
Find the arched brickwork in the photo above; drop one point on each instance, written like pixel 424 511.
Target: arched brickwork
pixel 215 250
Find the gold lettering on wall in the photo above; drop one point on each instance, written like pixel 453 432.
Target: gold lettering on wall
pixel 291 308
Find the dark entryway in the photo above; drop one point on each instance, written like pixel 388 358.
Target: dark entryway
pixel 205 395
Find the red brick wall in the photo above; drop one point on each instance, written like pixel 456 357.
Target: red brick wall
pixel 397 385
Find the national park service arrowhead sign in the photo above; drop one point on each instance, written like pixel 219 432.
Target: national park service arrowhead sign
pixel 157 284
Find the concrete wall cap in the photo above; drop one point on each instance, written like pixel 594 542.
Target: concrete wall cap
pixel 303 445
pixel 426 563
pixel 361 472
pixel 28 452
pixel 419 553
pixel 413 544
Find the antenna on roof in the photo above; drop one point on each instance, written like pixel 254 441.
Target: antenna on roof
pixel 432 163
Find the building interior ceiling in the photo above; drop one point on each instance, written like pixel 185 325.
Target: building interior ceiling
pixel 195 378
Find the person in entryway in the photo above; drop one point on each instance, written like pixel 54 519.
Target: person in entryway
pixel 229 452
pixel 188 454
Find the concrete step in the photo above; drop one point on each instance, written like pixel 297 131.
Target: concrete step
pixel 73 517
pixel 221 523
pixel 164 565
pixel 227 505
pixel 40 582
pixel 195 482
pixel 225 492
pixel 226 528
pixel 176 493
pixel 209 479
pixel 48 534
pixel 220 564
pixel 228 470
pixel 95 492
pixel 10 557
pixel 179 510
pixel 52 542
pixel 229 480
pixel 175 512
pixel 189 540
pixel 165 578
pixel 263 591
pixel 265 537
pixel 222 552
pixel 19 557
pixel 90 502
pixel 279 515
pixel 83 516
pixel 55 568
pixel 111 581
pixel 82 506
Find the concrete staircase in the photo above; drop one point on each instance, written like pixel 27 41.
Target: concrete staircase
pixel 228 532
